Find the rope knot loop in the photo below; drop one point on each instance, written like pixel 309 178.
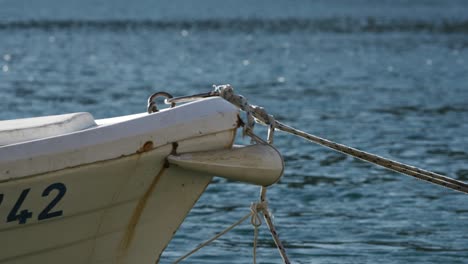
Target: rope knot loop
pixel 256 209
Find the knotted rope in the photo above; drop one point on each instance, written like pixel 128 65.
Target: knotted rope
pixel 261 116
pixel 268 219
pixel 256 221
pixel 257 114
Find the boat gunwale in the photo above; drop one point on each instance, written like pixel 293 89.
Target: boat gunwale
pixel 134 142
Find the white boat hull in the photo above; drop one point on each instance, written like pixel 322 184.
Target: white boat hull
pixel 113 202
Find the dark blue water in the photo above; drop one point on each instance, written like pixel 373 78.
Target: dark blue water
pixel 388 77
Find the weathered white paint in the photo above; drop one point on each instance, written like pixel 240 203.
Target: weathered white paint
pixel 114 140
pixel 114 179
pixel 26 129
pixel 258 164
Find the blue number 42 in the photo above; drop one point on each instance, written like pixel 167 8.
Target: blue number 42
pixel 23 215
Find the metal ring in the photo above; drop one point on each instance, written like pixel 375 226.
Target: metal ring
pixel 152 107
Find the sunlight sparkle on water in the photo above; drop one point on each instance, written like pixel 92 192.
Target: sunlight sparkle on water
pixel 184 33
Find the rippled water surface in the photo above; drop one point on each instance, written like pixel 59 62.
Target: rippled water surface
pixel 389 77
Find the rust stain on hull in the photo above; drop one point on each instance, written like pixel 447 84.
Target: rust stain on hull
pixel 128 236
pixel 149 145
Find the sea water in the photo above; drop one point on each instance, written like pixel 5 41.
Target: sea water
pixel 388 77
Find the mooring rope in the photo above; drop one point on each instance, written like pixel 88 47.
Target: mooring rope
pixel 262 117
pixel 256 221
pixel 213 238
pixel 383 162
pixel 271 227
pixel 258 114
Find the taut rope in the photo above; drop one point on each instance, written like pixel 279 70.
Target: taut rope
pixel 259 115
pixel 255 220
pixel 383 162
